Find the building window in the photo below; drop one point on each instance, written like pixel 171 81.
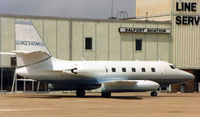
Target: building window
pixel 138 44
pixel 123 69
pixel 88 43
pixel 13 61
pixel 153 69
pixel 143 70
pixel 133 70
pixel 113 70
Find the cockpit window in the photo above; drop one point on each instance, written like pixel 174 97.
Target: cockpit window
pixel 173 67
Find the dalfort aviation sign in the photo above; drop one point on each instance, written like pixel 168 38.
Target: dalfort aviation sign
pixel 144 30
pixel 187 19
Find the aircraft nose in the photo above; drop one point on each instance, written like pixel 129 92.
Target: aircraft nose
pixel 189 76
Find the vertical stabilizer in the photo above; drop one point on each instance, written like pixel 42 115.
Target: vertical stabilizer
pixel 28 43
pixel 27 37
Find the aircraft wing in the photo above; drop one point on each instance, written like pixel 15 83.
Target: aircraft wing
pixel 121 82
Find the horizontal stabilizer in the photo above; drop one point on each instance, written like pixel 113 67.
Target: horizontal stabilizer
pixel 25 80
pixel 29 58
pixel 7 53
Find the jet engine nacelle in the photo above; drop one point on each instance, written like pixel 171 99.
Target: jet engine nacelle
pixel 130 86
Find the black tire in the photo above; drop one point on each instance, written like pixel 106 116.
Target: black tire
pixel 154 94
pixel 80 93
pixel 106 94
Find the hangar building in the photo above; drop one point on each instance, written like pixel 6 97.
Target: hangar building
pixel 144 38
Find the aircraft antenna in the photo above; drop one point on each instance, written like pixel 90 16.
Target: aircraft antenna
pixel 159 58
pixel 83 58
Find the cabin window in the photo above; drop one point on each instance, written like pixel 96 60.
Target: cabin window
pixel 172 67
pixel 113 70
pixel 143 70
pixel 88 43
pixel 123 69
pixel 153 69
pixel 138 44
pixel 133 70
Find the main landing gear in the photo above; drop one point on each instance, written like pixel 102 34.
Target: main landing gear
pixel 106 94
pixel 154 93
pixel 80 93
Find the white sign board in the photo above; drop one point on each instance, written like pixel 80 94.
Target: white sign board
pixel 144 30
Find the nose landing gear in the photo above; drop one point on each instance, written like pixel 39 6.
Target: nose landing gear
pixel 154 93
pixel 106 94
pixel 80 93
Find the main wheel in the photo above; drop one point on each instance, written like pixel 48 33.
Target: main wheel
pixel 80 93
pixel 106 94
pixel 154 94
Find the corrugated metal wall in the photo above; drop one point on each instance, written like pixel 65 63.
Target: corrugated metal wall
pixel 7 38
pixel 153 7
pixel 65 38
pixel 186 38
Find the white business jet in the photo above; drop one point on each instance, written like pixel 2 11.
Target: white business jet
pixel 34 61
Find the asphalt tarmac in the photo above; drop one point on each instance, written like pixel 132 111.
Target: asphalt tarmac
pixel 93 105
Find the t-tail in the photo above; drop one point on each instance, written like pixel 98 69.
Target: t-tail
pixel 30 48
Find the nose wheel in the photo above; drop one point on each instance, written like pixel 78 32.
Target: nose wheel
pixel 106 94
pixel 154 93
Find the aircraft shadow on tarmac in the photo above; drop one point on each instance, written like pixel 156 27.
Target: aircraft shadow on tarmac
pixel 90 96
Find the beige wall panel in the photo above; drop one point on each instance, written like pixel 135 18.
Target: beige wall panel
pixel 77 40
pixel 179 49
pixel 102 41
pixel 89 31
pixel 114 41
pixel 50 36
pixel 63 39
pixel 186 39
pixel 139 55
pixel 151 25
pixel 39 26
pixel 127 40
pixel 151 47
pixel 163 18
pixel 197 50
pixel 7 39
pixel 153 7
pixel 139 25
pixel 164 26
pixel 193 42
pixel 164 47
pixel 186 46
